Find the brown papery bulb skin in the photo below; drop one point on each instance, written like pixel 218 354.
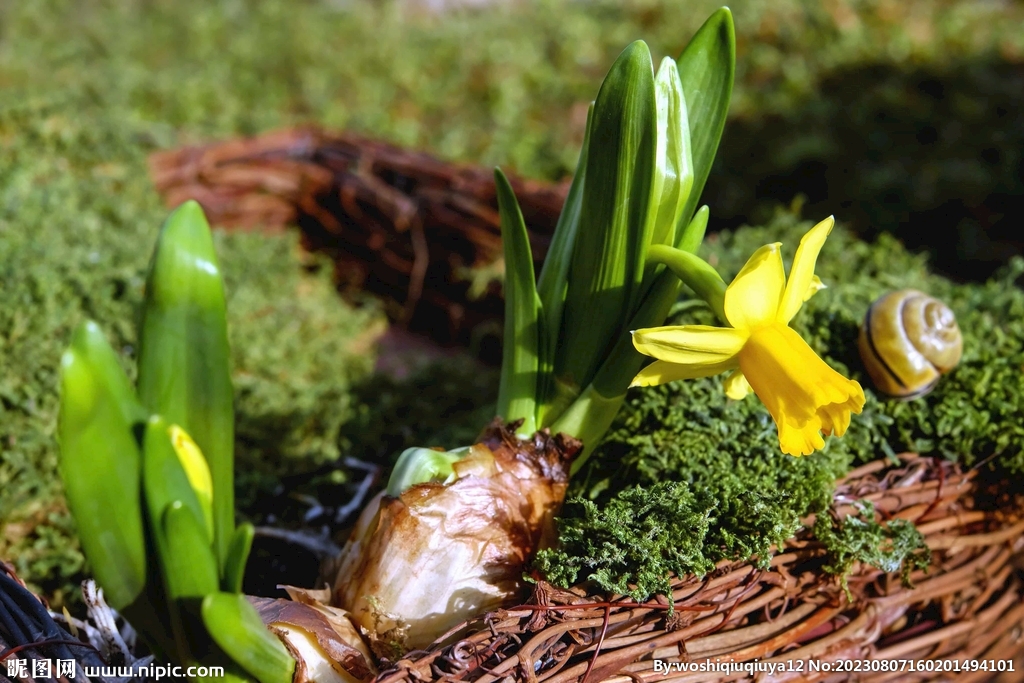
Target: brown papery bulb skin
pixel 439 554
pixel 908 341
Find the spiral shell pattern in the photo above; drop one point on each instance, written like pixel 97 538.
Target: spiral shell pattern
pixel 908 341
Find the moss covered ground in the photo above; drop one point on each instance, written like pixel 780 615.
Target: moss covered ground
pixel 89 88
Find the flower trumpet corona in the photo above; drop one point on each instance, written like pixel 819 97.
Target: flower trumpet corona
pixel 443 552
pixel 804 395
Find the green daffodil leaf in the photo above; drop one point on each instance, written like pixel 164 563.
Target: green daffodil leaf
pixel 184 370
pixel 100 463
pixel 607 261
pixel 707 68
pixel 517 392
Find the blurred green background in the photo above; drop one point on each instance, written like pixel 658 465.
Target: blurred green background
pixel 895 115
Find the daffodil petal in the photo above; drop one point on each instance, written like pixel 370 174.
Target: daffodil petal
pixel 800 440
pixel 801 276
pixel 753 297
pixel 690 344
pixel 816 286
pixel 836 417
pixel 803 394
pixel 736 385
pixel 662 372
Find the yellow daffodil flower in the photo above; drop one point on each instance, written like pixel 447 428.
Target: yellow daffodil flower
pixel 804 395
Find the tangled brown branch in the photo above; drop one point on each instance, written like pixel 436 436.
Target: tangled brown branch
pixel 400 224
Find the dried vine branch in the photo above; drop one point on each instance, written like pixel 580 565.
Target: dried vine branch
pixel 422 233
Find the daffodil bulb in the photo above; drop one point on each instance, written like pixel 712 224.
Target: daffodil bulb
pixel 326 646
pixel 440 553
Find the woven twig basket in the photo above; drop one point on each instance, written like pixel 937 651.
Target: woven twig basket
pixel 407 223
pixel 968 606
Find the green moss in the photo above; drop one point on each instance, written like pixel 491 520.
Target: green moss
pixel 891 547
pixel 723 456
pixel 630 545
pixel 504 84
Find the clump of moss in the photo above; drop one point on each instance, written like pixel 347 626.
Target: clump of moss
pixel 724 455
pixel 641 528
pixel 894 546
pixel 722 458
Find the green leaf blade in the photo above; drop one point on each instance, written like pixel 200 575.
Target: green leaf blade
pixel 189 566
pixel 520 364
pixel 238 555
pixel 236 627
pixel 100 464
pixel 184 369
pixel 553 283
pixel 608 258
pixel 691 237
pixel 707 68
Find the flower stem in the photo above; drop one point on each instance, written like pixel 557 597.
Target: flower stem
pixel 696 273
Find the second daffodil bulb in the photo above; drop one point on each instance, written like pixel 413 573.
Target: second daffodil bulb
pixel 418 564
pixel 805 397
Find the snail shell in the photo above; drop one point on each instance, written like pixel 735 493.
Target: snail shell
pixel 908 341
